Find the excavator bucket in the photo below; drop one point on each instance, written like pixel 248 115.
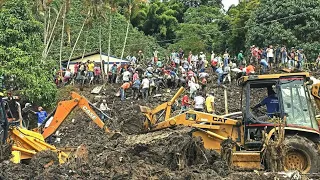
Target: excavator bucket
pixel 114 135
pixel 145 109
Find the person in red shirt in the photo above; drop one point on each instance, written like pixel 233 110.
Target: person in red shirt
pixel 185 103
pixel 76 68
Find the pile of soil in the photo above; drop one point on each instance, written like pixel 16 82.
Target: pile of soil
pixel 166 154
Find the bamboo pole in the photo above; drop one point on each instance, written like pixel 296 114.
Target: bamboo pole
pixel 226 100
pixel 109 43
pixel 100 47
pixel 46 49
pixel 75 44
pixel 128 25
pixel 62 33
pixel 125 39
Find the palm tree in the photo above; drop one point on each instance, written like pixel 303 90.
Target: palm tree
pixel 129 4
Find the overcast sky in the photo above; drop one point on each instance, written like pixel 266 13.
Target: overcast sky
pixel 228 3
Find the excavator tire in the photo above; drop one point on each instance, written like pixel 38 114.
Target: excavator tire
pixel 44 159
pixel 296 153
pixel 301 154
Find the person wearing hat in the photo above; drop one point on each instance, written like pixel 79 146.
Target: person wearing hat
pixel 210 103
pixel 41 114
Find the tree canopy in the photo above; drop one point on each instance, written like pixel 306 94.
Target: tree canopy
pixel 20 53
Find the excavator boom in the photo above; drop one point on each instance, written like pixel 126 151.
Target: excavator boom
pixel 64 108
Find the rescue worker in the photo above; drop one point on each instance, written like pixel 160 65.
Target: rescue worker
pixel 210 103
pixel 103 107
pixel 272 104
pixel 135 88
pixel 185 103
pixel 125 86
pixel 198 102
pixel 41 114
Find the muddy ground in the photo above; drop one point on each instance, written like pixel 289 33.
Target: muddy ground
pixel 167 154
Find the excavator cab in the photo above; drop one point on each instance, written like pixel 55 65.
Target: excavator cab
pixel 291 99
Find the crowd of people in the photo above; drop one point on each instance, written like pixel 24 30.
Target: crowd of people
pixel 85 72
pixel 141 78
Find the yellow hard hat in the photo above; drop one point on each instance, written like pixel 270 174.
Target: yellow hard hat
pixel 1 94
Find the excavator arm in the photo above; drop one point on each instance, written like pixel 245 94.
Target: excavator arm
pixel 151 113
pixel 64 108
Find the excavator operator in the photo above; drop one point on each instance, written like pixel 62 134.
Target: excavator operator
pixel 272 104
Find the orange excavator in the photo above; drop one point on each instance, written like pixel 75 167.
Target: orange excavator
pixel 25 144
pixel 64 108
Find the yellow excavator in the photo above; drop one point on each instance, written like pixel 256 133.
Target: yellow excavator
pixel 285 139
pixel 25 144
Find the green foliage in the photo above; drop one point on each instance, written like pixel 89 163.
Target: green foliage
pixel 136 39
pixel 158 19
pixel 296 25
pixel 236 17
pixel 20 53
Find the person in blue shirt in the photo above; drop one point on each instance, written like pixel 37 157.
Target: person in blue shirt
pixel 271 102
pixel 41 114
pixel 220 74
pixel 135 88
pixel 265 65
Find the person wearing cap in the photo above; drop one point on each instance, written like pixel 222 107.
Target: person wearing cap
pixel 41 114
pixel 125 86
pixel 103 107
pixel 210 103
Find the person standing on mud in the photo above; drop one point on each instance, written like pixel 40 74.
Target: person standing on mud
pixel 103 107
pixel 198 102
pixel 145 87
pixel 125 86
pixel 210 103
pixel 185 103
pixel 41 114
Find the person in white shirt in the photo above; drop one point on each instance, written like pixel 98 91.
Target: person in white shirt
pixel 103 107
pixel 193 88
pixel 202 56
pixel 199 102
pixel 270 55
pixel 145 84
pixel 126 76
